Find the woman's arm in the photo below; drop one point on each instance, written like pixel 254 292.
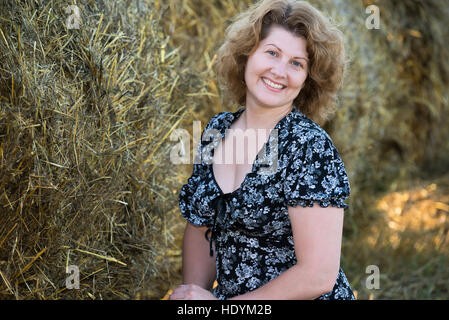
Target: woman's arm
pixel 198 267
pixel 317 234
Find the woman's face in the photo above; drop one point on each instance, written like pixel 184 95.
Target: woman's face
pixel 276 71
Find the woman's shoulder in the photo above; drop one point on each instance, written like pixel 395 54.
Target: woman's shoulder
pixel 222 119
pixel 301 130
pixel 216 121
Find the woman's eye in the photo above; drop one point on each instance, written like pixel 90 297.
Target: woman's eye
pixel 297 64
pixel 271 52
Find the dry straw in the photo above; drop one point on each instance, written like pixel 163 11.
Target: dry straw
pixel 85 121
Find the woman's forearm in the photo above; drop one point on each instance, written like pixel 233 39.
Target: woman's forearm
pixel 198 267
pixel 296 283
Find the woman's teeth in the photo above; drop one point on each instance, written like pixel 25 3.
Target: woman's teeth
pixel 272 84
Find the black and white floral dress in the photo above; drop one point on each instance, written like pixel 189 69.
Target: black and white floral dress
pixel 250 226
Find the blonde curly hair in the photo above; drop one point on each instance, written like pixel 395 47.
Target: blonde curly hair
pixel 325 48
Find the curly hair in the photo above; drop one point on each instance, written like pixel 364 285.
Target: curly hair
pixel 325 49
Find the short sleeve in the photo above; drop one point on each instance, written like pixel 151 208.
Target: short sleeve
pixel 315 173
pixel 192 195
pixel 190 198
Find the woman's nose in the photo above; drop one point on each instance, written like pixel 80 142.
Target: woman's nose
pixel 279 70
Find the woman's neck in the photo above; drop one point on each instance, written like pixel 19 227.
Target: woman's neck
pixel 263 118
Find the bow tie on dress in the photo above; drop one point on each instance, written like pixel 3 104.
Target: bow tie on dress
pixel 220 213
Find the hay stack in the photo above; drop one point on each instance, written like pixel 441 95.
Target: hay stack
pixel 85 120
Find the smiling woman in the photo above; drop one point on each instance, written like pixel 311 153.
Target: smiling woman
pixel 324 56
pixel 277 235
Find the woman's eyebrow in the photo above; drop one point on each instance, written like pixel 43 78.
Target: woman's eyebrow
pixel 271 44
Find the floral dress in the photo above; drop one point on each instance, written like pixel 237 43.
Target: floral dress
pixel 250 226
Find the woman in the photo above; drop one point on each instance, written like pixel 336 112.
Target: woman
pixel 277 235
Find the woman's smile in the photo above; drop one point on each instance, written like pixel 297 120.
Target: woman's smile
pixel 272 85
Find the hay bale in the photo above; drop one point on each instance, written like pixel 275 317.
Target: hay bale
pixel 85 176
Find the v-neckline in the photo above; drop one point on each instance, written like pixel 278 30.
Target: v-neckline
pixel 235 116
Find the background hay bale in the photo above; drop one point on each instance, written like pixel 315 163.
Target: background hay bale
pixel 85 120
pixel 390 127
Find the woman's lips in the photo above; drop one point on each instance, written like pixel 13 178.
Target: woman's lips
pixel 265 80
